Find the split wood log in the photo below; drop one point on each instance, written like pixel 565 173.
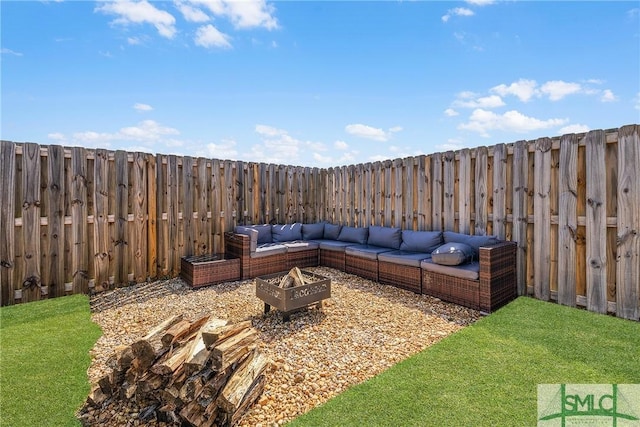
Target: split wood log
pixel 150 347
pixel 173 363
pixel 244 386
pixel 185 333
pixel 233 349
pixel 212 333
pixel 292 279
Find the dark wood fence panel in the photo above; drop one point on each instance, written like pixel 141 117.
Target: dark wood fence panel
pixel 76 219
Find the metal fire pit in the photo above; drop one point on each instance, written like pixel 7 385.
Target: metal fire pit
pixel 292 299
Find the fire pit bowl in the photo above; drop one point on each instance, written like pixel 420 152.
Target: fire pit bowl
pixel 288 300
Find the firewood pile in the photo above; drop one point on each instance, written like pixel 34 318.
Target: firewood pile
pixel 201 373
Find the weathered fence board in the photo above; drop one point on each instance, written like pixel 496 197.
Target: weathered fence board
pixel 596 222
pixel 100 220
pixel 79 226
pixel 567 220
pixel 628 223
pixel 464 188
pixel 520 212
pixel 55 192
pixel 31 222
pixel 152 217
pixel 448 212
pixel 436 198
pixel 499 191
pixel 7 221
pixel 481 196
pixel 542 225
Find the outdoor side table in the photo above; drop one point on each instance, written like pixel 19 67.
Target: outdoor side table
pixel 203 270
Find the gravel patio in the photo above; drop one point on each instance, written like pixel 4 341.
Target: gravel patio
pixel 362 330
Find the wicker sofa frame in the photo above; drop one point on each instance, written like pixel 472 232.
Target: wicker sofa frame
pixel 495 287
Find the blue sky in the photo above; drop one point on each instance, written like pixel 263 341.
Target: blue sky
pixel 314 83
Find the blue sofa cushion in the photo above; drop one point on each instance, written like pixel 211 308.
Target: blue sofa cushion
pixel 268 249
pixel 366 251
pixel 333 245
pixel 411 259
pixel 469 271
pixel 299 246
pixel 476 242
pixel 313 231
pixel 387 237
pixel 331 231
pixel 420 241
pixel 357 235
pixel 286 232
pixel 453 254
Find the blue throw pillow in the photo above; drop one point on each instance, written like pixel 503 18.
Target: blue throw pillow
pixel 453 254
pixel 332 231
pixel 354 234
pixel 286 232
pixel 387 237
pixel 421 241
pixel 476 242
pixel 313 231
pixel 264 233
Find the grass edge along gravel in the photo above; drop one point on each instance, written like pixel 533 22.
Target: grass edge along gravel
pixel 487 374
pixel 44 357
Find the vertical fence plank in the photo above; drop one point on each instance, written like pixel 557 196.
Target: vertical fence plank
pixel 228 196
pixel 449 191
pixel 79 265
pixel 173 214
pixel 397 192
pixel 162 211
pixel 31 222
pixel 628 239
pixel 481 196
pixel 520 211
pixel 464 189
pixel 121 217
pixel 542 226
pixel 499 190
pixel 367 193
pixel 55 215
pixel 376 209
pixel 152 215
pixel 7 221
pixel 216 206
pixel 436 199
pixel 596 223
pixel 187 206
pixel 100 219
pixel 408 193
pixel 202 196
pixel 567 219
pixel 139 242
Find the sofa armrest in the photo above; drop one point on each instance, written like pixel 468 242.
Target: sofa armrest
pixel 238 245
pixel 497 275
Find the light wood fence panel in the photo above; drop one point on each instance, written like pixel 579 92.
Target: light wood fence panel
pixel 76 219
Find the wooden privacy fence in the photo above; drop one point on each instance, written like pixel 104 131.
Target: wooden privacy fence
pixel 75 219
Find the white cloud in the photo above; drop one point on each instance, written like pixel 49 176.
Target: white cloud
pixel 6 51
pixel 140 12
pixel 142 107
pixel 225 150
pixel 608 96
pixel 452 144
pixel 243 14
pixel 558 89
pixel 524 89
pixel 369 132
pixel 341 145
pixel 269 131
pixel 192 14
pixel 492 101
pixel 483 121
pixel 146 130
pixel 57 136
pixel 458 11
pixel 280 147
pixel 134 41
pixel 577 128
pixel 450 112
pixel 346 158
pixel 208 36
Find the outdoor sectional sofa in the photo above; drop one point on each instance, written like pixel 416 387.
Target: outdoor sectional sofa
pixel 473 271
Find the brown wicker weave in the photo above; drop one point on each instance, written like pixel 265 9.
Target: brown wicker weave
pixel 402 276
pixel 332 259
pixel 209 269
pixel 495 288
pixel 239 245
pixel 363 267
pixel 301 259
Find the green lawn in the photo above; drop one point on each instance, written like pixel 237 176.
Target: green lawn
pixel 487 374
pixel 44 356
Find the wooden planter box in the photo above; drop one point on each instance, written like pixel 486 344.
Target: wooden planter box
pixel 206 270
pixel 291 299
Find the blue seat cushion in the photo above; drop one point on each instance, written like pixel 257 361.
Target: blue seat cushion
pixel 268 249
pixel 286 232
pixel 298 246
pixel 411 259
pixel 386 237
pixel 333 245
pixel 420 241
pixel 469 271
pixel 357 235
pixel 366 251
